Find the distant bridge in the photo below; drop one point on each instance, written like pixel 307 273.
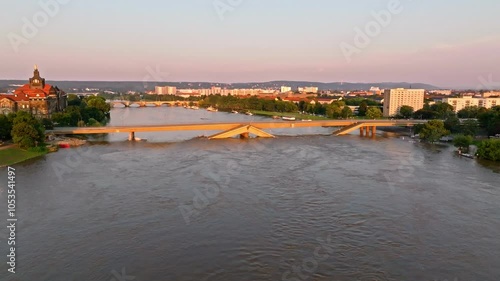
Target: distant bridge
pixel 151 103
pixel 245 129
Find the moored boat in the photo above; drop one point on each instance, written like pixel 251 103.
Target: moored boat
pixel 286 118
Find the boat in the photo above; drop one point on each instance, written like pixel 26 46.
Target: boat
pixel 249 113
pixel 286 118
pixel 64 145
pixel 466 155
pixel 307 120
pixel 235 112
pixel 212 109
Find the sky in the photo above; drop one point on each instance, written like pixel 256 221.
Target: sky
pixel 447 43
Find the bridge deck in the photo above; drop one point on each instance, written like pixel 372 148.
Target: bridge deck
pixel 228 126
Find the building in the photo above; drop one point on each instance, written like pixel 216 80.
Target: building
pixel 165 90
pixel 285 89
pixel 491 94
pixel 36 97
pixel 313 90
pixel 441 92
pixel 375 91
pixel 394 99
pixel 460 103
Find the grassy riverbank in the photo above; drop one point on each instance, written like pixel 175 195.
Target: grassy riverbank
pixel 289 114
pixel 14 155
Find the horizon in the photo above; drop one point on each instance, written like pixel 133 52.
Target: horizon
pixel 248 41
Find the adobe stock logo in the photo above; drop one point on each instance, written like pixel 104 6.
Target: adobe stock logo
pixel 221 7
pixel 30 28
pixel 363 37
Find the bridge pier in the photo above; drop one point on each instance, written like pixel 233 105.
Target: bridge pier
pixel 245 135
pixel 131 136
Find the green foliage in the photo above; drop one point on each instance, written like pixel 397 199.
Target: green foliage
pixel 363 108
pixel 470 127
pixel 469 112
pixel 94 123
pixel 490 120
pixel 228 103
pixel 489 150
pixel 433 130
pixel 452 124
pixel 5 127
pixel 74 100
pixel 425 114
pixel 462 142
pixel 359 101
pixel 346 112
pixel 27 131
pixel 374 113
pixel 442 110
pixel 97 102
pixel 81 111
pixel 47 124
pixel 406 111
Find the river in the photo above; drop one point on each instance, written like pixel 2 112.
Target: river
pixel 301 207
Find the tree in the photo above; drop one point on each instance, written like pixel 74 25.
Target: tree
pixel 463 142
pixel 363 108
pixel 452 123
pixel 5 127
pixel 470 127
pixel 433 130
pixel 468 112
pixel 490 120
pixel 27 131
pixel 406 111
pixel 443 110
pixel 374 113
pixel 346 112
pixel 489 150
pixel 98 102
pixel 333 111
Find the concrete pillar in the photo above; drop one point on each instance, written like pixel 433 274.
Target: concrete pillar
pixel 131 136
pixel 362 131
pixel 367 131
pixel 374 131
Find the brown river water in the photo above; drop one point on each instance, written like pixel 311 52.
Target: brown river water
pixel 303 206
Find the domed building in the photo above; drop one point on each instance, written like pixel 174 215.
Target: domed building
pixel 36 97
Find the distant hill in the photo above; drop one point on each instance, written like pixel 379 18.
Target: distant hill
pixel 124 86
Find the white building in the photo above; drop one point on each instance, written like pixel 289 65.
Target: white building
pixel 394 99
pixel 285 89
pixel 166 90
pixel 313 90
pixel 460 103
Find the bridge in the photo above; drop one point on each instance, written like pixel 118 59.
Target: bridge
pixel 244 130
pixel 151 103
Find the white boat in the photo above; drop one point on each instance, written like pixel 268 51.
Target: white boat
pixel 212 109
pixel 249 113
pixel 235 112
pixel 195 107
pixel 288 118
pixel 307 120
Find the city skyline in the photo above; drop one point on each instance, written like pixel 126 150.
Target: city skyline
pixel 446 44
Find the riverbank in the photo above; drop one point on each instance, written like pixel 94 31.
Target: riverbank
pixel 297 115
pixel 14 155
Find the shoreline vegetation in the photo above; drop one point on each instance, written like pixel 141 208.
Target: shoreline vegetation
pixel 297 115
pixel 15 155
